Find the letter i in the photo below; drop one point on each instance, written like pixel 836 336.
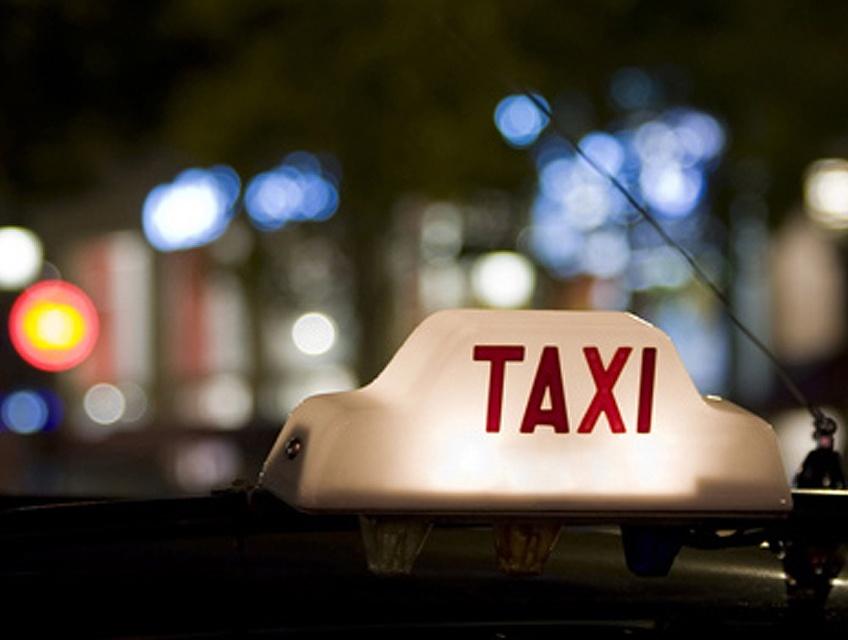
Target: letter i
pixel 646 389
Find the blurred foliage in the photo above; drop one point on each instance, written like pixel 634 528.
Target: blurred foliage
pixel 384 86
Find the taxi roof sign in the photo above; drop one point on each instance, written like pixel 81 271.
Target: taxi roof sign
pixel 529 412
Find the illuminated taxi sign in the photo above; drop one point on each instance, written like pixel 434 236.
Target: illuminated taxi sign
pixel 520 412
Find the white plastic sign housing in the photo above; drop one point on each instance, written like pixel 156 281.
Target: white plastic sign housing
pixel 528 412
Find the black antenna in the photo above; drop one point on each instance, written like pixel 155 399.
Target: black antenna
pixel 821 421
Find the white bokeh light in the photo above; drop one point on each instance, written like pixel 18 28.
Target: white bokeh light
pixel 503 279
pixel 21 257
pixel 225 401
pixel 191 211
pixel 826 192
pixel 206 464
pixel 104 404
pixel 671 190
pixel 314 333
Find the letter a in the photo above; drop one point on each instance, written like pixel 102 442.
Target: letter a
pixel 548 379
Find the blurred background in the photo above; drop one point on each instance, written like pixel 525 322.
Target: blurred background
pixel 211 210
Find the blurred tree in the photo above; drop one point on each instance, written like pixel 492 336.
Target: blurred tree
pixel 382 85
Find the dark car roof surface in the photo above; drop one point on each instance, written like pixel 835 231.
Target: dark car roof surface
pixel 232 565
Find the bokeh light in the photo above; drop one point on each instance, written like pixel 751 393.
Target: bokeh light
pixel 136 403
pixel 605 253
pixel 554 178
pixel 671 190
pixel 206 464
pixel 605 150
pixel 556 244
pixel 21 257
pixel 503 279
pixel 225 401
pixel 657 267
pixel 191 211
pixel 24 412
pixel 700 339
pixel 519 120
pixel 581 223
pixel 300 189
pixel 656 143
pixel 826 192
pixel 104 404
pixel 53 325
pixel 701 137
pixel 314 333
pixel 442 286
pixel 441 233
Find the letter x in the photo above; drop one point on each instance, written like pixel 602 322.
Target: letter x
pixel 605 379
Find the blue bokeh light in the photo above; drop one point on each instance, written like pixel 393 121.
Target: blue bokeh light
pixel 656 143
pixel 605 150
pixel 605 253
pixel 25 412
pixel 303 161
pixel 582 196
pixel 701 341
pixel 664 162
pixel 300 189
pixel 191 211
pixel 672 190
pixel 701 136
pixel 657 267
pixel 520 120
pixel 554 178
pixel 554 242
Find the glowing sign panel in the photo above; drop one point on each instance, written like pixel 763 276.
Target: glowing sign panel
pixel 53 325
pixel 509 412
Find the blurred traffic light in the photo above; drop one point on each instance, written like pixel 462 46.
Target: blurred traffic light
pixel 53 325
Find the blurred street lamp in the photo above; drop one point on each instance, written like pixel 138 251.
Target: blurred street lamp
pixel 314 333
pixel 21 257
pixel 503 279
pixel 191 211
pixel 826 192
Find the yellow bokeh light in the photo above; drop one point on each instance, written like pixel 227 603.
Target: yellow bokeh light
pixel 54 326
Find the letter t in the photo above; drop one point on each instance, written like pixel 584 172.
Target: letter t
pixel 498 355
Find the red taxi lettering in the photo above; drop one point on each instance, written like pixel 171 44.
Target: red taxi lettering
pixel 498 356
pixel 548 380
pixel 605 379
pixel 548 383
pixel 646 389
